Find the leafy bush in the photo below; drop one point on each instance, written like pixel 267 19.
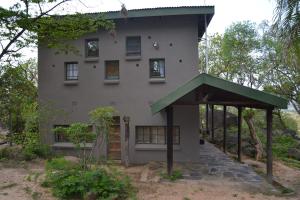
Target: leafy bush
pixel 60 164
pixel 177 174
pixel 68 182
pixel 281 145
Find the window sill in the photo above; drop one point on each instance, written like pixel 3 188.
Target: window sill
pixel 95 59
pixel 155 147
pixel 111 82
pixel 157 80
pixel 133 58
pixel 70 145
pixel 71 82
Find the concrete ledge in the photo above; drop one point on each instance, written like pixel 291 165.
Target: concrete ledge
pixel 111 82
pixel 157 80
pixel 96 59
pixel 133 58
pixel 70 145
pixel 75 82
pixel 155 147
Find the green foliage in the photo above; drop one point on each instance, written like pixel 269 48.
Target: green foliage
pixel 69 182
pixel 26 22
pixel 60 164
pixel 17 91
pixel 102 117
pixel 79 134
pixel 281 145
pixel 176 174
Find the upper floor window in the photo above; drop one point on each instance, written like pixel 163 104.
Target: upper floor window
pixel 92 48
pixel 71 72
pixel 157 68
pixel 112 70
pixel 133 46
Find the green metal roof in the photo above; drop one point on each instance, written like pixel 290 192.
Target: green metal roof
pixel 205 79
pixel 159 11
pixel 199 11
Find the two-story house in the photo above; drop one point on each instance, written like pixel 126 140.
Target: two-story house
pixel 153 52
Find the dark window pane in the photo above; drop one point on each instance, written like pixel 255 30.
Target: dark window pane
pixel 112 70
pixel 133 46
pixel 139 135
pixel 161 138
pixel 60 137
pixel 71 71
pixel 92 48
pixel 157 68
pixel 147 135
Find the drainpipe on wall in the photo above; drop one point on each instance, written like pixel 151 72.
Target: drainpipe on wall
pixel 126 120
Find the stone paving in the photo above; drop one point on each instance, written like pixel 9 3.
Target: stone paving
pixel 214 164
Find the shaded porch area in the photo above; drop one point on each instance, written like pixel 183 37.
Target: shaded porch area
pixel 214 164
pixel 210 90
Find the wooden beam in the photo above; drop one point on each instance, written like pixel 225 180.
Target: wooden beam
pixel 269 145
pixel 221 103
pixel 212 124
pixel 239 133
pixel 224 128
pixel 169 140
pixel 206 120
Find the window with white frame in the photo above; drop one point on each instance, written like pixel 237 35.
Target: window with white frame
pixel 71 71
pixel 157 68
pixel 92 48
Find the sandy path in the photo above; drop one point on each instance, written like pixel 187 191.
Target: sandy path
pixel 17 183
pixel 24 188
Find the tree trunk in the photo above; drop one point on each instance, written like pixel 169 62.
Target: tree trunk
pixel 258 145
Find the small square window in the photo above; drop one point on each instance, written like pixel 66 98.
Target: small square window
pixel 112 70
pixel 157 68
pixel 133 46
pixel 71 72
pixel 92 48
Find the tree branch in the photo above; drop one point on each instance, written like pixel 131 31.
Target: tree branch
pixel 15 38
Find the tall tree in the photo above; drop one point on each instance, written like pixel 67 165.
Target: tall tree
pixel 29 21
pixel 287 24
pixel 17 90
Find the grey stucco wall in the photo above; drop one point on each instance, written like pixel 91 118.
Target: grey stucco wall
pixel 134 93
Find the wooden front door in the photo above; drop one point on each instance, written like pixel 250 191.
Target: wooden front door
pixel 114 141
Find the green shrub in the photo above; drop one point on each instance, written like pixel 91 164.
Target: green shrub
pixel 281 145
pixel 12 153
pixel 75 183
pixel 177 174
pixel 60 164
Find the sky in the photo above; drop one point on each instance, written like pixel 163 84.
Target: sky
pixel 226 11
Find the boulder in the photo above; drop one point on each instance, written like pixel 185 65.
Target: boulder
pixel 294 153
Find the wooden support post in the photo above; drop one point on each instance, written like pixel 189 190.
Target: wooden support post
pixel 169 110
pixel 206 120
pixel 126 120
pixel 239 133
pixel 269 145
pixel 212 124
pixel 224 129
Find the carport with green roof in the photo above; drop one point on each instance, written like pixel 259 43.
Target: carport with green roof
pixel 210 90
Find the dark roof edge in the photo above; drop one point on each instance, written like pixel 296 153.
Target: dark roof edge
pixel 264 97
pixel 159 11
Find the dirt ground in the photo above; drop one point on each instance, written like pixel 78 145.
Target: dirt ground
pixel 22 182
